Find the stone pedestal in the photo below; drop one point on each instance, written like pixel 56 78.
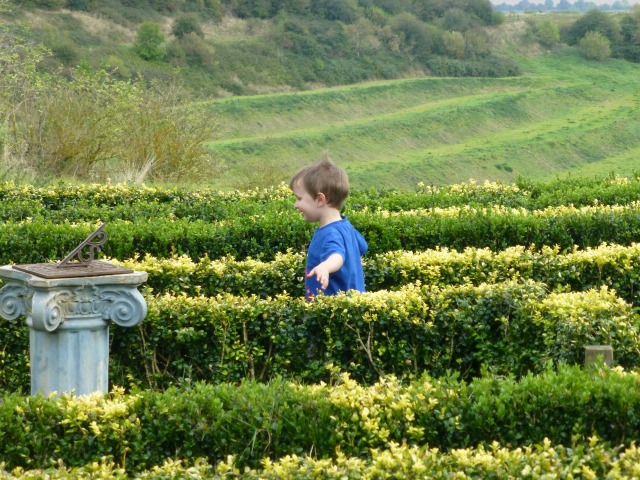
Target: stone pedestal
pixel 69 325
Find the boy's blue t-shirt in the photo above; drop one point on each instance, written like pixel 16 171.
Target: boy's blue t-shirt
pixel 342 238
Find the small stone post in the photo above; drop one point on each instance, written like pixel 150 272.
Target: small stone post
pixel 592 352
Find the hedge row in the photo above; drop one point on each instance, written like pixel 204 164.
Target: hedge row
pixel 256 421
pixel 546 460
pixel 616 266
pixel 108 202
pixel 522 194
pixel 512 327
pixel 263 236
pixel 79 203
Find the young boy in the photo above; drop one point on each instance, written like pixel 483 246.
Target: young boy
pixel 333 257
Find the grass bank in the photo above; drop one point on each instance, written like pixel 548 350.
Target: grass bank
pixel 564 116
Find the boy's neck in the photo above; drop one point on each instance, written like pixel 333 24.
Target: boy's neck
pixel 330 215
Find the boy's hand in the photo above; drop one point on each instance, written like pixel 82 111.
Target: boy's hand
pixel 324 269
pixel 322 275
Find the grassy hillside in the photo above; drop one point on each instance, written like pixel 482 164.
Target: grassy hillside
pixel 564 116
pixel 238 48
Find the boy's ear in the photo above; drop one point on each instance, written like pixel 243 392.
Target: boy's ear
pixel 321 199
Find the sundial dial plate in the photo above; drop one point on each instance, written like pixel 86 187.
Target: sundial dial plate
pixel 53 270
pixel 79 263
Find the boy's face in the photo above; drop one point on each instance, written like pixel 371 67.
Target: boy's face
pixel 308 206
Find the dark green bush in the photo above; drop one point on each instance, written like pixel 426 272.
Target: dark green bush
pixel 510 327
pixel 253 421
pixel 185 24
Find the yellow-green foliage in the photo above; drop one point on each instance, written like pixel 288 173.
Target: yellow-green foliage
pixel 590 461
pixel 286 430
pixel 615 266
pixel 452 348
pixel 512 326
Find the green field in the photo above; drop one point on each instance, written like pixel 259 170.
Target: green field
pixel 564 116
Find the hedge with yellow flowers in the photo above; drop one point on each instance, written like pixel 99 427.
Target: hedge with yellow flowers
pixel 592 460
pixel 510 327
pixel 108 202
pixel 264 235
pixel 615 266
pixel 285 427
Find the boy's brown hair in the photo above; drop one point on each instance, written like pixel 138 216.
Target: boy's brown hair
pixel 324 176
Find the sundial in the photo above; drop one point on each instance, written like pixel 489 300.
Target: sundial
pixel 69 307
pixel 79 263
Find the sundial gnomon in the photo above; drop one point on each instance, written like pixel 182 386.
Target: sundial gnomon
pixel 79 263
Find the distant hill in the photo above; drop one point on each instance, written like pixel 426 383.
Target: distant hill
pixel 563 117
pixel 396 96
pixel 239 47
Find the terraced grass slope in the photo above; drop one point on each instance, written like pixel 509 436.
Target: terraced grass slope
pixel 565 116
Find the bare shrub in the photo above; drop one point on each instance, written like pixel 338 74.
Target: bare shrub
pixel 162 128
pixel 92 125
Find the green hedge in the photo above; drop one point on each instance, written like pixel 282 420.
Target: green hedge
pixel 546 460
pixel 616 266
pixel 264 236
pixel 253 421
pixel 108 202
pixel 509 327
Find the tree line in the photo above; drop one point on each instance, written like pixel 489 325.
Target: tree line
pixel 597 34
pixel 562 6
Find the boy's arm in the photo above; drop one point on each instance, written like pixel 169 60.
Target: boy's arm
pixel 322 270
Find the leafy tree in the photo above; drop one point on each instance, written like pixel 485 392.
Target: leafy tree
pixel 595 46
pixel 197 51
pixel 630 27
pixel 419 38
pixel 458 20
pixel 547 33
pixel 362 35
pixel 431 10
pixel 454 44
pixel 252 8
pixel 629 47
pixel 483 10
pixel 477 43
pixel 375 15
pixel 185 24
pixel 149 43
pixel 342 10
pixel 594 21
pixel 213 9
